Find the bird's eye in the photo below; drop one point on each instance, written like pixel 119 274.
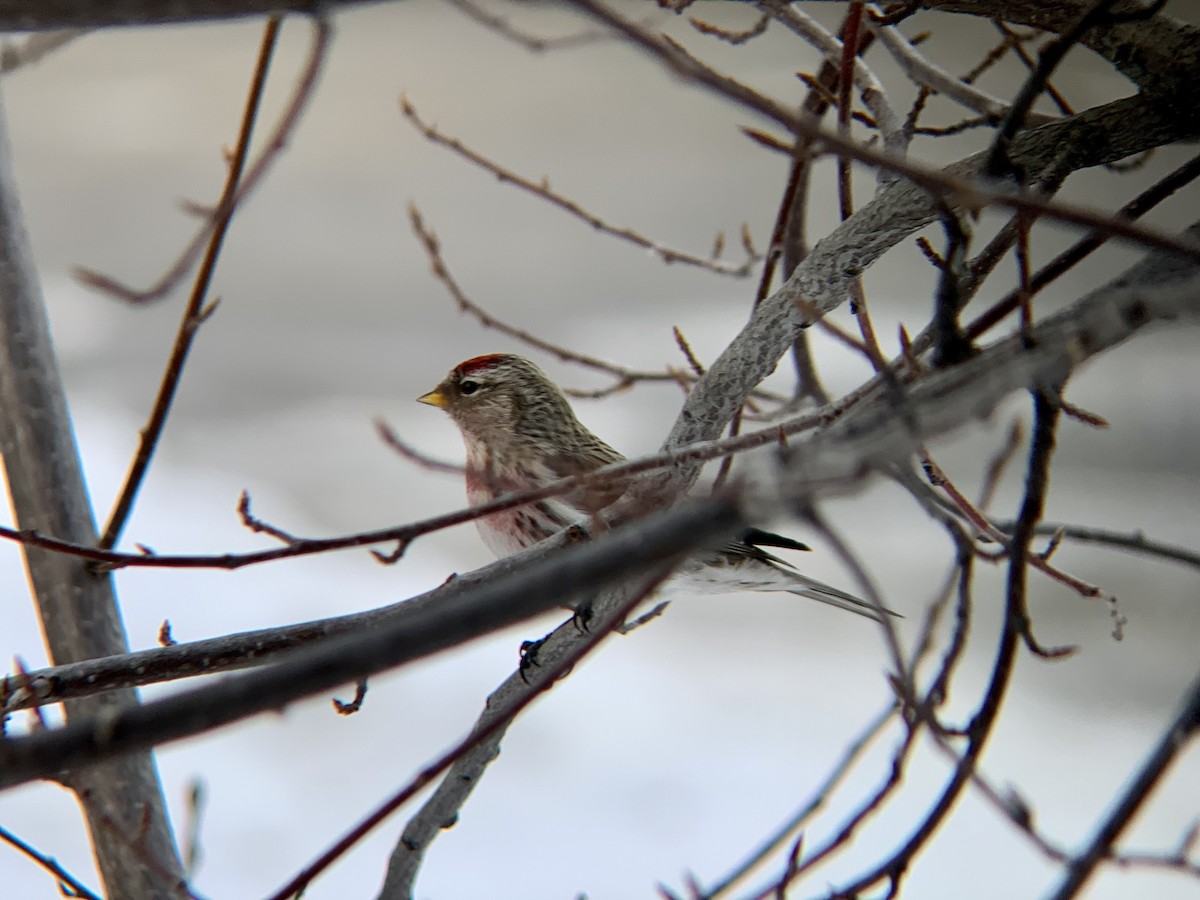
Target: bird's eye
pixel 468 387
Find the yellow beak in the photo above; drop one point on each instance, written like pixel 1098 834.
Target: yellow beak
pixel 434 398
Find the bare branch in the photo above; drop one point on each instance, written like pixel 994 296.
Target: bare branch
pixel 43 15
pixel 1131 127
pixel 194 312
pixel 926 73
pixel 556 656
pixel 999 165
pixel 543 191
pixel 65 879
pixel 1016 622
pixel 535 44
pixel 623 553
pixel 1178 734
pixel 874 97
pixel 78 609
pixel 1135 542
pixel 302 92
pixel 820 797
pixel 1159 53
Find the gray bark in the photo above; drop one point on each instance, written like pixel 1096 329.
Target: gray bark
pixel 123 800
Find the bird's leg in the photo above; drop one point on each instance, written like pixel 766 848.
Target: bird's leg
pixel 529 653
pixel 582 617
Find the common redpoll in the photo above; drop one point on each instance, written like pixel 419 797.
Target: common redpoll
pixel 521 433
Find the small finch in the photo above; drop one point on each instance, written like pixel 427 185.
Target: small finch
pixel 521 433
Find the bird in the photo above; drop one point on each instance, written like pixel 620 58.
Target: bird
pixel 521 433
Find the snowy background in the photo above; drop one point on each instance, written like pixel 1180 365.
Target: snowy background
pixel 673 750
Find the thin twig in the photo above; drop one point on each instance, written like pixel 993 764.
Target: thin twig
pixel 980 522
pixel 737 38
pixel 925 73
pixel 973 193
pixel 624 377
pixel 981 725
pixel 490 727
pixel 820 796
pixel 701 452
pixel 999 165
pixel 1178 734
pixel 543 191
pixel 1081 249
pixel 193 313
pixel 1018 49
pixel 533 43
pixel 306 82
pixel 1135 542
pixel 854 71
pixel 66 879
pixel 388 435
pixel 851 34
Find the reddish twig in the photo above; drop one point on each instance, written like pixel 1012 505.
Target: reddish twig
pixel 1017 45
pixel 543 191
pixel 533 43
pixel 406 533
pixel 258 526
pixel 851 32
pixel 685 348
pixel 196 312
pixel 305 84
pixel 984 526
pixel 625 378
pixel 736 38
pixel 1083 248
pixel 966 192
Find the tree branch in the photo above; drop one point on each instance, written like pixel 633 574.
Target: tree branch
pixel 521 594
pixel 41 15
pixel 78 609
pixel 1177 736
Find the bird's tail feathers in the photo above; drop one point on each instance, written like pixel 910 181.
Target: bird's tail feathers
pixel 824 593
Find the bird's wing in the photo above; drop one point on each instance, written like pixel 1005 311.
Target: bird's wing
pixel 747 550
pixel 582 460
pixel 756 537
